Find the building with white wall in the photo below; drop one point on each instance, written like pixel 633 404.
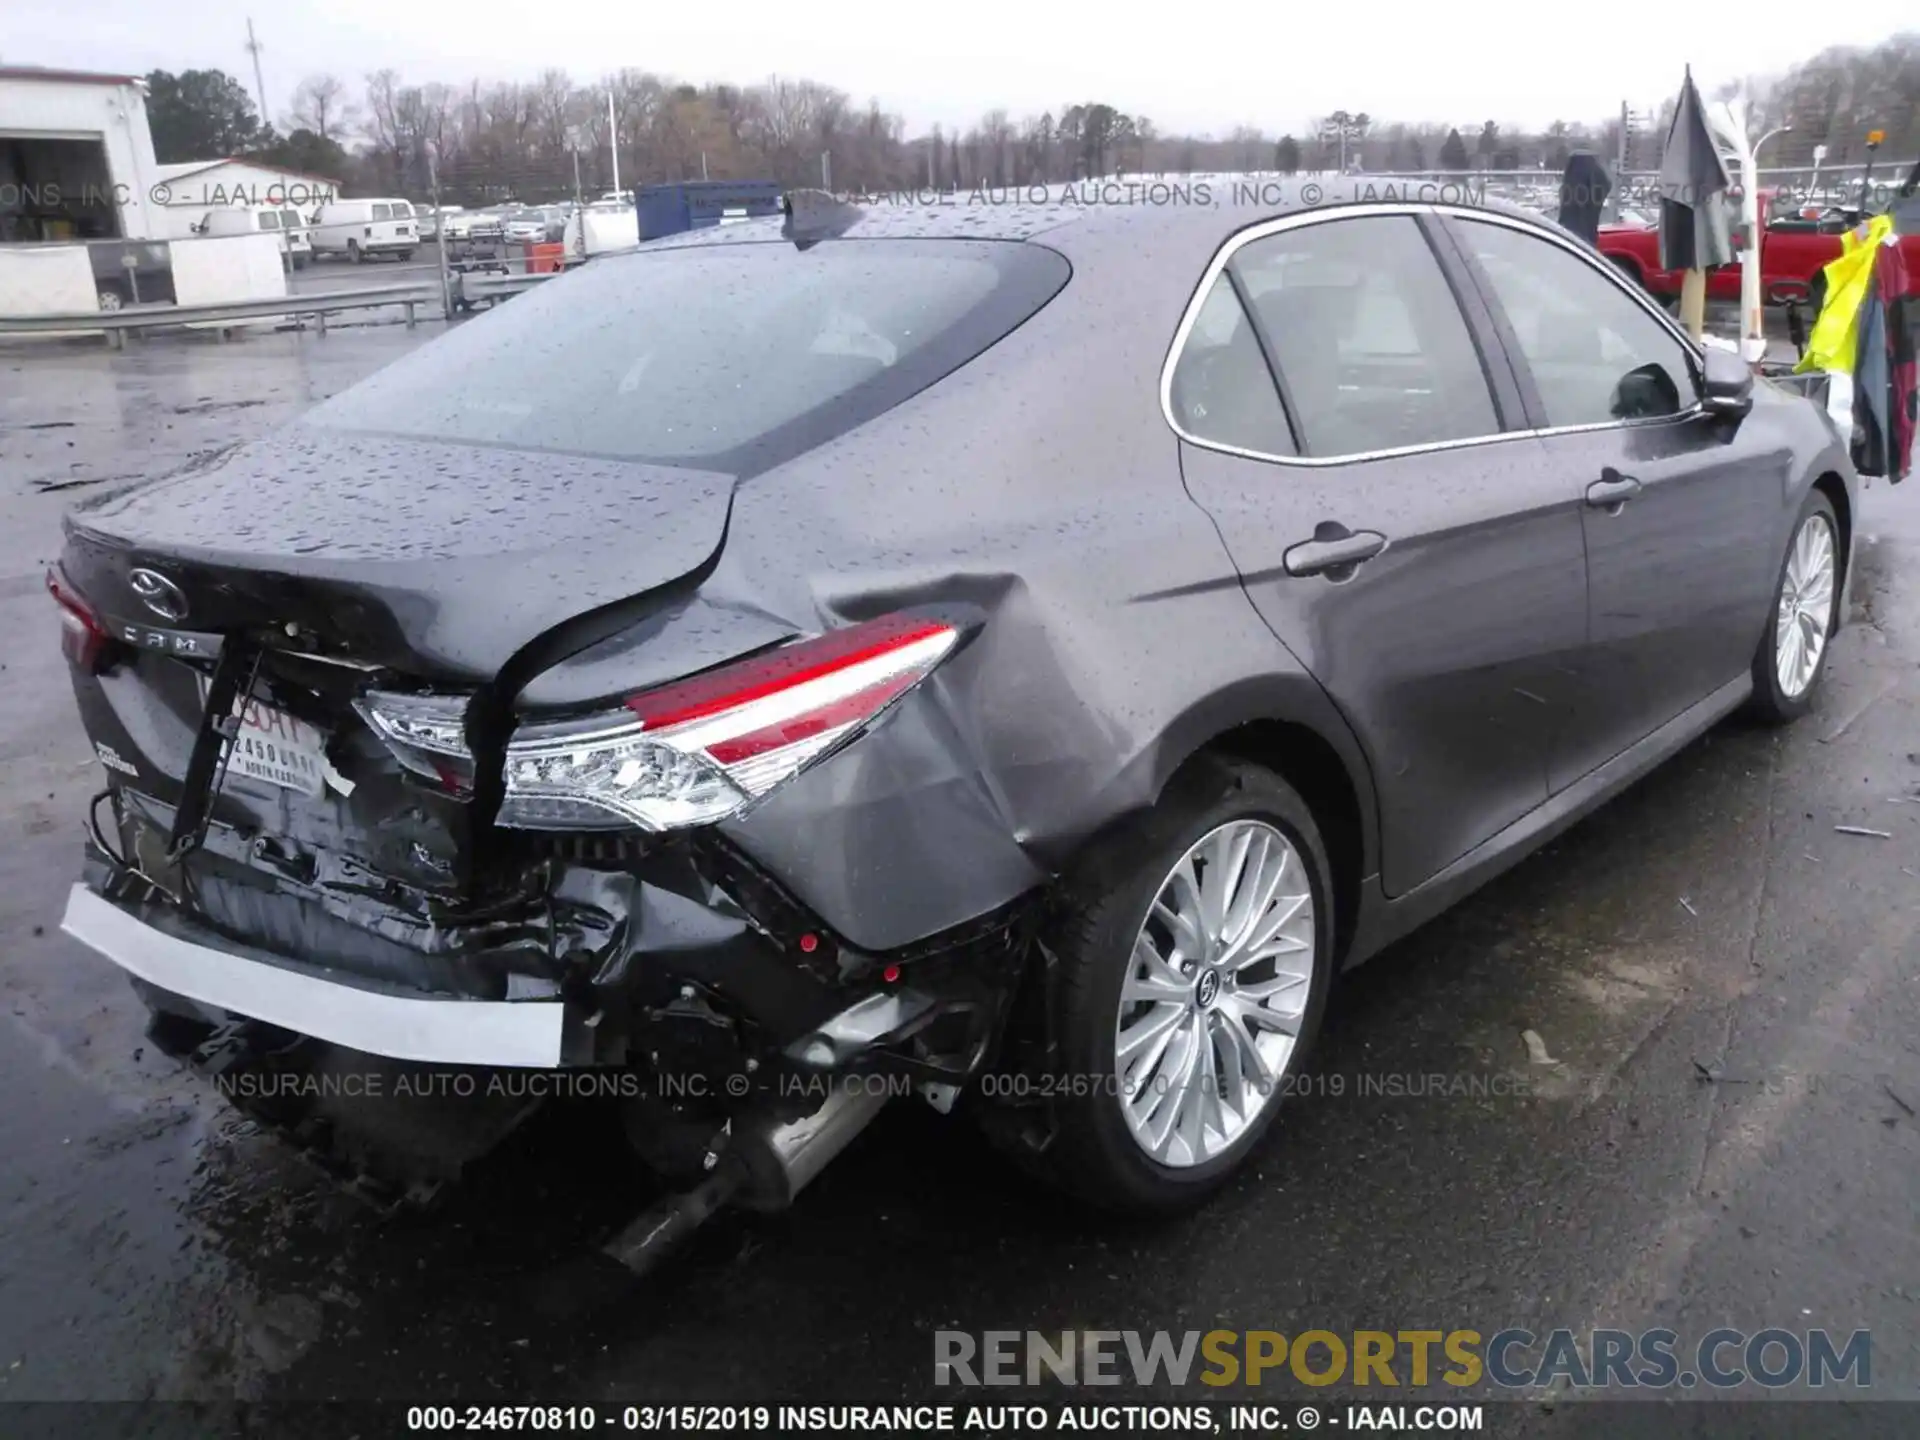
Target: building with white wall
pixel 76 157
pixel 188 190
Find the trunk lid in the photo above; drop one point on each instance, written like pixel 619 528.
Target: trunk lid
pixel 440 561
pixel 344 563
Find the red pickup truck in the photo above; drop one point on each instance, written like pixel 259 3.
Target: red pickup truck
pixel 1794 246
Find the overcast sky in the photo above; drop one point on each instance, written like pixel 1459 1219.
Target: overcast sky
pixel 1275 65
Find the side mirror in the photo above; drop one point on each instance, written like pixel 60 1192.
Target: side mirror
pixel 1726 384
pixel 1644 393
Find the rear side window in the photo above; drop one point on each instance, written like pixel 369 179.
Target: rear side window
pixel 1373 351
pixel 383 212
pixel 269 220
pixel 1222 389
pixel 721 357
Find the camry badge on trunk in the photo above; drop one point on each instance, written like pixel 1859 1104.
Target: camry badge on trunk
pixel 158 593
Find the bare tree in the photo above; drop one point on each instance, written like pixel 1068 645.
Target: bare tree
pixel 492 141
pixel 320 104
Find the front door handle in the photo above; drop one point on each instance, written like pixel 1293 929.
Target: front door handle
pixel 1612 490
pixel 1333 552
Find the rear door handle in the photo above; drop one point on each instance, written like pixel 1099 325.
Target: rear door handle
pixel 1612 490
pixel 1328 554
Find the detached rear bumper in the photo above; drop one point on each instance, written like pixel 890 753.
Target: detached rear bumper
pixel 329 1006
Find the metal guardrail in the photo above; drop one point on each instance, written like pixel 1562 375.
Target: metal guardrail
pixel 318 303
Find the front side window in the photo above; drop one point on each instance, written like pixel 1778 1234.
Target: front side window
pixel 1596 355
pixel 1373 351
pixel 1222 390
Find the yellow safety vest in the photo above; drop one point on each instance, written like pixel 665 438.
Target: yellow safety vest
pixel 1835 340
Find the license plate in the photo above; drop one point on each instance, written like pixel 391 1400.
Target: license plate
pixel 277 749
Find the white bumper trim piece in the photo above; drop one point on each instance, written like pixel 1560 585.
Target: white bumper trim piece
pixel 451 1032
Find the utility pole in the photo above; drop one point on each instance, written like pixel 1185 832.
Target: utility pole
pixel 826 171
pixel 259 84
pixel 440 240
pixel 613 141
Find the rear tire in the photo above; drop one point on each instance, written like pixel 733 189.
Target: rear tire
pixel 1098 1153
pixel 354 253
pixel 1806 595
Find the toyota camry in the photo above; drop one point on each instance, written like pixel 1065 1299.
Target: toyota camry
pixel 1015 654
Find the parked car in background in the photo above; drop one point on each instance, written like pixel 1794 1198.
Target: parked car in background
pixel 357 230
pixel 1795 245
pixel 524 226
pixel 433 223
pixel 714 704
pixel 296 248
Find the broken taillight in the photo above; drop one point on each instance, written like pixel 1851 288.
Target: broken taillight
pixel 425 733
pixel 82 639
pixel 703 749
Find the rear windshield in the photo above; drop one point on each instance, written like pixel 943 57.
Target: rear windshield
pixel 402 210
pixel 291 218
pixel 721 357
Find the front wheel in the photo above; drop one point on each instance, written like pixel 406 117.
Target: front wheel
pixel 1194 967
pixel 1792 657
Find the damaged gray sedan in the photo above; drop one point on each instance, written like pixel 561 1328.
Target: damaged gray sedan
pixel 1021 653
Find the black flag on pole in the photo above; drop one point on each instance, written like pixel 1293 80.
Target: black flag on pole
pixel 1694 230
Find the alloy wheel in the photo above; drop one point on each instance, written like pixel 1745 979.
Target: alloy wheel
pixel 1806 606
pixel 1216 990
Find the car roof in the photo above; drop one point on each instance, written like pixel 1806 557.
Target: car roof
pixel 1151 245
pixel 1198 206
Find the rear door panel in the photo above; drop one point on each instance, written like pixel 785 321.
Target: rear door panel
pixel 1453 652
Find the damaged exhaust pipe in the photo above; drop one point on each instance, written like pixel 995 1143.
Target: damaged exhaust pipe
pixel 763 1169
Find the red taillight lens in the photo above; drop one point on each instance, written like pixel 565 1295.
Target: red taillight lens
pixel 703 749
pixel 82 640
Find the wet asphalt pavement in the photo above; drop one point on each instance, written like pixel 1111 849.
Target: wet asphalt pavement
pixel 1728 991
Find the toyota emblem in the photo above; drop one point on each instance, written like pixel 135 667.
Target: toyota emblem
pixel 158 594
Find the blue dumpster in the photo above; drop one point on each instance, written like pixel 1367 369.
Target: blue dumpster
pixel 669 209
